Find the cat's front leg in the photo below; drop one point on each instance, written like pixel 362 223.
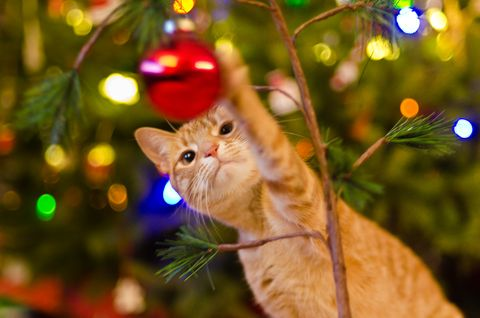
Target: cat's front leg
pixel 293 188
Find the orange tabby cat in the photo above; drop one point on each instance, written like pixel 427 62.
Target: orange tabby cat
pixel 236 165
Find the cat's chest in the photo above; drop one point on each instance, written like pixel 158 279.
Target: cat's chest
pixel 290 275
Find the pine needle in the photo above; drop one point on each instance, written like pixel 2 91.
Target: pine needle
pixel 190 252
pixel 432 133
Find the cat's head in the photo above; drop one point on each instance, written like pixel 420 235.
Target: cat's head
pixel 207 159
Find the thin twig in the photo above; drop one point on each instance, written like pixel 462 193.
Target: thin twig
pixel 257 243
pixel 256 3
pixel 368 153
pixel 327 14
pixel 333 227
pixel 93 38
pixel 273 88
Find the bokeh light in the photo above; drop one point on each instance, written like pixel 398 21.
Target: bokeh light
pixel 378 48
pixel 11 200
pixel 46 206
pixel 437 19
pixel 120 89
pixel 324 54
pixel 304 148
pixel 7 140
pixel 463 128
pixel 183 6
pixel 101 155
pixel 74 17
pixel 408 21
pixel 84 27
pixel 409 107
pixel 55 157
pixel 170 196
pixel 117 197
pixel 400 4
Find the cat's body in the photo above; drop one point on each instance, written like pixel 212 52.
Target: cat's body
pixel 236 165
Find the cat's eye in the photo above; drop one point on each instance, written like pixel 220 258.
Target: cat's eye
pixel 188 156
pixel 226 128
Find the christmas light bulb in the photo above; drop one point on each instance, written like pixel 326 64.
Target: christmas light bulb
pixel 408 21
pixel 463 128
pixel 409 107
pixel 120 89
pixel 170 196
pixel 46 206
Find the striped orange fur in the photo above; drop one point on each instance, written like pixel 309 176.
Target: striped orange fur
pixel 252 179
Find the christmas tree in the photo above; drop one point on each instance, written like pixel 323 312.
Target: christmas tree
pixel 82 211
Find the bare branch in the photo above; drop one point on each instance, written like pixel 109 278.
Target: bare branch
pixel 256 3
pixel 368 153
pixel 327 14
pixel 257 243
pixel 273 88
pixel 93 38
pixel 333 227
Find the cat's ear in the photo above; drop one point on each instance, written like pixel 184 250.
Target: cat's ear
pixel 155 144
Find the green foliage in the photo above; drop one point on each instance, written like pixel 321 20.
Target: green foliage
pixel 50 104
pixel 192 251
pixel 145 20
pixel 432 133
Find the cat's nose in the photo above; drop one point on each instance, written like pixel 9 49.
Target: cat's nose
pixel 212 151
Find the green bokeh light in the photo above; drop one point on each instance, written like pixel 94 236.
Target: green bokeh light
pixel 297 3
pixel 400 4
pixel 46 206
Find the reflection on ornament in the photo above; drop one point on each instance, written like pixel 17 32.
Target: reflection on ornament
pixel 305 149
pixel 170 196
pixel 378 48
pixel 117 197
pixel 437 19
pixel 323 53
pixel 183 6
pixel 409 107
pixel 463 128
pixel 46 206
pixel 11 200
pixel 183 77
pixel 408 21
pixel 55 157
pixel 120 89
pixel 400 4
pixel 279 102
pixel 7 140
pixel 128 297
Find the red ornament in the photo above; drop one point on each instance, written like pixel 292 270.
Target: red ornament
pixel 182 78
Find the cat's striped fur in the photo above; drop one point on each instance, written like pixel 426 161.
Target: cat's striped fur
pixel 252 179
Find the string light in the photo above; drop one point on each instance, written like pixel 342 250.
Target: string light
pixel 409 107
pixel 117 197
pixel 408 21
pixel 101 155
pixel 55 157
pixel 120 89
pixel 183 6
pixel 463 128
pixel 46 206
pixel 378 48
pixel 170 196
pixel 437 19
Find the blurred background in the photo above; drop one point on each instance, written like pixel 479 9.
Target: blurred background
pixel 80 221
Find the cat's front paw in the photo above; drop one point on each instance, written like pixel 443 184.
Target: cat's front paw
pixel 234 72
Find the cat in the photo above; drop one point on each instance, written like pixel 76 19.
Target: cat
pixel 236 165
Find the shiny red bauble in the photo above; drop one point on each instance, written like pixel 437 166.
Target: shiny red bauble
pixel 182 77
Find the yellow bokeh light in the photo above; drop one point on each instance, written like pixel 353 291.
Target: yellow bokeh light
pixel 74 17
pixel 409 107
pixel 55 157
pixel 323 53
pixel 117 197
pixel 378 48
pixel 445 46
pixel 183 6
pixel 437 19
pixel 101 155
pixel 224 44
pixel 84 27
pixel 120 89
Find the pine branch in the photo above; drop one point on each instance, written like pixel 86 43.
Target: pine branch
pixel 194 249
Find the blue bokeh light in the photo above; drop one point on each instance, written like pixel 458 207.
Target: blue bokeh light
pixel 170 196
pixel 463 128
pixel 408 21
